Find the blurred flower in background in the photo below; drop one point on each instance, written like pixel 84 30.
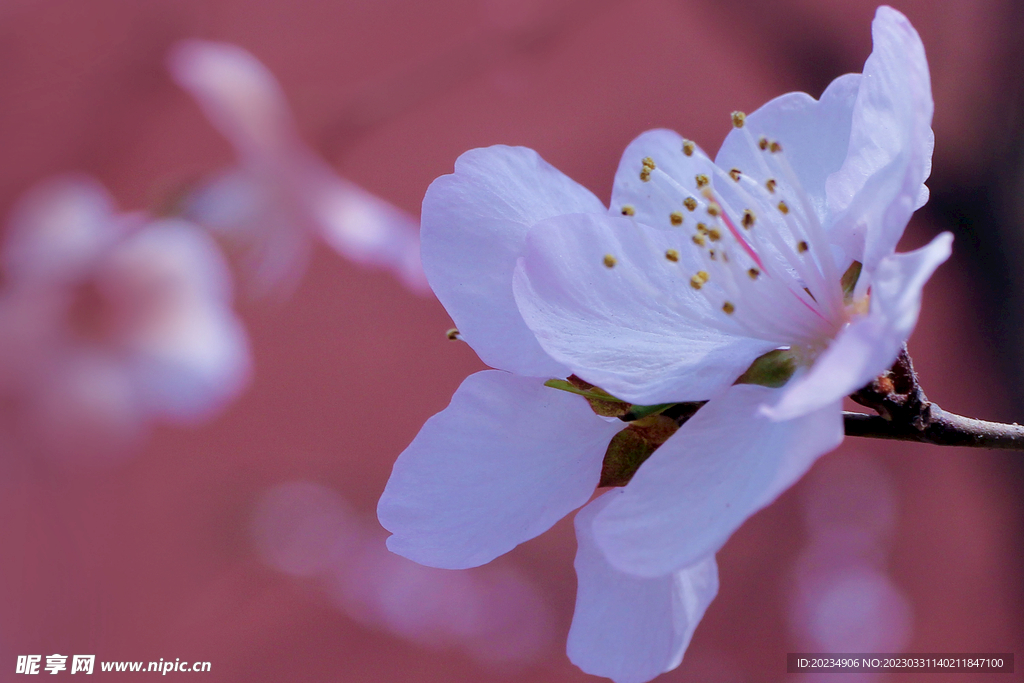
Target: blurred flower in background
pixel 109 322
pixel 281 196
pixel 495 615
pixel 842 597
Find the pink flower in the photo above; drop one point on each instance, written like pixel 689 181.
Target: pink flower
pixel 110 321
pixel 281 196
pixel 763 283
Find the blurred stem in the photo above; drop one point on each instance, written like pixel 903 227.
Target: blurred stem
pixel 906 414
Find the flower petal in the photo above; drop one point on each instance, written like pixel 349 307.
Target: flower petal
pixel 814 134
pixel 239 95
pixel 187 348
pixel 881 183
pixel 503 462
pixel 627 628
pixel 869 346
pixel 723 465
pixel 474 228
pixel 653 201
pixel 638 329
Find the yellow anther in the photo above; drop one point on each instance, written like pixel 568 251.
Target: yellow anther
pixel 698 240
pixel 714 235
pixel 676 218
pixel 763 143
pixel 735 174
pixel 738 119
pixel 688 147
pixel 645 174
pixel 672 255
pixel 714 208
pixel 648 163
pixel 753 273
pixel 728 308
pixel 783 207
pixel 702 229
pixel 748 219
pixel 770 184
pixel 703 275
pixel 775 147
pixel 713 254
pixel 628 210
pixel 702 180
pixel 695 282
pixel 802 247
pixel 609 260
pixel 690 203
pixel 453 334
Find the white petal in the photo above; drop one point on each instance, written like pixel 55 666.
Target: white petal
pixel 814 134
pixel 239 95
pixel 881 182
pixel 188 349
pixel 869 346
pixel 628 628
pixel 60 228
pixel 723 465
pixel 503 462
pixel 654 201
pixel 474 228
pixel 638 329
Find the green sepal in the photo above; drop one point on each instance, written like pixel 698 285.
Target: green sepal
pixel 773 369
pixel 603 403
pixel 632 446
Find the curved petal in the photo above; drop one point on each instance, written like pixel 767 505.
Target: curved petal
pixel 638 329
pixel 238 94
pixel 723 465
pixel 627 628
pixel 881 182
pixel 60 228
pixel 188 350
pixel 653 201
pixel 814 134
pixel 504 461
pixel 869 346
pixel 474 227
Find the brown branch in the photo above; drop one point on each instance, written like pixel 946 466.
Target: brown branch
pixel 941 429
pixel 906 414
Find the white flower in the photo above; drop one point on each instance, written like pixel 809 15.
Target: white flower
pixel 699 270
pixel 109 321
pixel 281 195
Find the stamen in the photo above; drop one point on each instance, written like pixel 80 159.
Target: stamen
pixel 688 147
pixel 690 203
pixel 648 163
pixel 775 147
pixel 770 184
pixel 698 240
pixel 676 218
pixel 753 273
pixel 714 208
pixel 702 180
pixel 713 255
pixel 728 308
pixel 453 334
pixel 763 143
pixel 714 235
pixel 748 219
pixel 645 175
pixel 735 174
pixel 672 255
pixel 802 247
pixel 738 119
pixel 609 261
pixel 696 282
pixel 783 207
pixel 628 210
pixel 702 229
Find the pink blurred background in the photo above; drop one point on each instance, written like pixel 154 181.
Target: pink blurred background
pixel 161 556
